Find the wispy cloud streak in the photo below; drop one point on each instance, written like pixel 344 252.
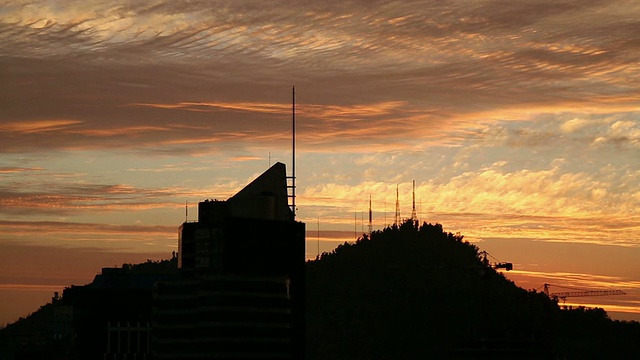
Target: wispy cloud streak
pixel 438 58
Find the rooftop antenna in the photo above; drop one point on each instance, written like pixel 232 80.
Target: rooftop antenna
pixel 186 211
pixel 370 217
pixel 293 153
pixel 293 143
pixel 397 219
pixel 414 217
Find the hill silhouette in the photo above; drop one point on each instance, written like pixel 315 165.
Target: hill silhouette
pixel 417 292
pixel 406 292
pixel 33 336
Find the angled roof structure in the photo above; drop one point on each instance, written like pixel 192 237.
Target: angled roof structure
pixel 266 197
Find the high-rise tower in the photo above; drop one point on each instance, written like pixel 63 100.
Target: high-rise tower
pixel 241 284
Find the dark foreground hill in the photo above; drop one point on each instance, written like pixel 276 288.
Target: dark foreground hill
pixel 417 292
pixel 407 292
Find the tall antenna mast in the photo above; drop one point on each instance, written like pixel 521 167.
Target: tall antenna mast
pixel 414 217
pixel 293 137
pixel 397 219
pixel 293 154
pixel 370 217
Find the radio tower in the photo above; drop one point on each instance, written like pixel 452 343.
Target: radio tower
pixel 370 217
pixel 397 219
pixel 414 217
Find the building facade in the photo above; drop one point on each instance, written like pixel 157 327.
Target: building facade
pixel 240 293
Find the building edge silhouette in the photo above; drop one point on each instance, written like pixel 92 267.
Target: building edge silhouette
pixel 238 290
pixel 240 293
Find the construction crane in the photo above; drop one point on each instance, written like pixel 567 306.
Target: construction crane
pixel 581 293
pixel 496 265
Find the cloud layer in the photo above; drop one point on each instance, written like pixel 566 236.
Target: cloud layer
pixel 499 109
pixel 193 74
pixel 516 119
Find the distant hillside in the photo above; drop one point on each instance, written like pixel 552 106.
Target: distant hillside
pixel 45 312
pixel 417 292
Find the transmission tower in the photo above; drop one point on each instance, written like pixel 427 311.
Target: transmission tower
pixel 414 217
pixel 370 217
pixel 397 219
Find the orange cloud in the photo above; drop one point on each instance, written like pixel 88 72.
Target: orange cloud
pixel 127 130
pixel 18 170
pixel 37 126
pixel 202 106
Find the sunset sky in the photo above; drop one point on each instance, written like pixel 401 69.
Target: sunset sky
pixel 518 120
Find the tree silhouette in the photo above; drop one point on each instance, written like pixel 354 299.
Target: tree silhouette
pixel 416 291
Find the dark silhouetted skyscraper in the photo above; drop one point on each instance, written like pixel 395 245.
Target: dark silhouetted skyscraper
pixel 241 290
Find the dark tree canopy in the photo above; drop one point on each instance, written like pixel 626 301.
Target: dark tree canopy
pixel 416 291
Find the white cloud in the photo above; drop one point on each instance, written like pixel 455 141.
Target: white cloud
pixel 573 125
